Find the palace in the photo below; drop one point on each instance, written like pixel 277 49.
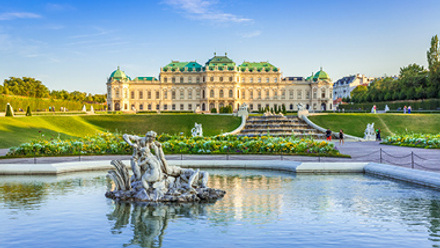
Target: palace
pixel 190 86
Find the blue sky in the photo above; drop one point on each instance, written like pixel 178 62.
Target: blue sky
pixel 75 45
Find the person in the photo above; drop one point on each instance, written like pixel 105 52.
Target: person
pixel 328 134
pixel 404 109
pixel 341 137
pixel 378 135
pixel 409 109
pixel 374 108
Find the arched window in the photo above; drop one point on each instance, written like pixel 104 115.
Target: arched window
pixel 117 92
pixel 231 94
pixel 322 92
pixel 165 95
pixel 315 95
pixel 211 93
pixel 221 95
pixel 141 107
pixel 141 94
pixel 165 79
pixel 182 95
pixel 173 95
pixel 132 95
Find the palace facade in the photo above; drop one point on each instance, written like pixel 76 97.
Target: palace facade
pixel 187 86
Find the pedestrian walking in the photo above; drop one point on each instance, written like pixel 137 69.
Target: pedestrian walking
pixel 378 135
pixel 341 137
pixel 328 134
pixel 404 109
pixel 409 109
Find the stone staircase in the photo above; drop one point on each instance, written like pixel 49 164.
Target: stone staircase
pixel 283 126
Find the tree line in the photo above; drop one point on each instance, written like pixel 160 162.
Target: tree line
pixel 414 82
pixel 30 87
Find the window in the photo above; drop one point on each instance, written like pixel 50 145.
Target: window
pixel 190 94
pixel 275 94
pixel 141 94
pixel 231 94
pixel 243 80
pixel 252 95
pixel 243 94
pixel 197 80
pixel 251 106
pixel 221 79
pixel 189 106
pixel 189 79
pixel 259 80
pixel 212 79
pixel 291 94
pixel 211 93
pixel 259 95
pixel 267 80
pixel 149 106
pixel 307 94
pixel 157 95
pixel 173 80
pixel 291 107
pixel 165 79
pixel 221 95
pixel 315 95
pixel 198 94
pixel 149 94
pixel 117 93
pixel 299 94
pixel 230 79
pixel 157 106
pixel 323 93
pixel 173 107
pixel 181 106
pixel 283 95
pixel 165 107
pixel 132 95
pixel 267 94
pixel 165 95
pixel 275 80
pixel 132 107
pixel 125 106
pixel 181 79
pixel 182 95
pixel 251 80
pixel 173 95
pixel 125 94
pixel 141 107
pixel 259 106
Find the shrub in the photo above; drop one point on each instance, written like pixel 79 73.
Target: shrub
pixel 9 111
pixel 214 111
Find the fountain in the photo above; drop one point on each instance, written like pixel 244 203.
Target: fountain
pixel 153 179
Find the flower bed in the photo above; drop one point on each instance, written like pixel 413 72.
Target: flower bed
pixel 109 143
pixel 414 140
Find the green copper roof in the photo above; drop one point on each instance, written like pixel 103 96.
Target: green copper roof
pixel 146 78
pixel 176 65
pixel 259 66
pixel 118 74
pixel 220 61
pixel 321 75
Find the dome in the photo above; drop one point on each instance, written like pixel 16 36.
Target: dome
pixel 118 74
pixel 321 75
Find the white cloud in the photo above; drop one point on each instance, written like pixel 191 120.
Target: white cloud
pixel 204 10
pixel 18 15
pixel 251 34
pixel 59 7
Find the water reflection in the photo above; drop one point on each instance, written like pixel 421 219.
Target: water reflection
pixel 150 220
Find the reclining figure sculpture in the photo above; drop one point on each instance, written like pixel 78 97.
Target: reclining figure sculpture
pixel 154 179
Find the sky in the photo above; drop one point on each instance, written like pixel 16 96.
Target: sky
pixel 76 45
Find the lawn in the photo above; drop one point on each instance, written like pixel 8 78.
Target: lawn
pixel 355 124
pixel 17 130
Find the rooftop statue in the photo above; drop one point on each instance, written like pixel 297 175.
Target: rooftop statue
pixel 153 179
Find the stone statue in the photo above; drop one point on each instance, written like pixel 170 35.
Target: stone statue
pixel 84 109
pixel 387 108
pixel 197 131
pixel 300 106
pixel 154 179
pixel 370 133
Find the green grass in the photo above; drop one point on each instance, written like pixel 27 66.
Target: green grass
pixel 355 124
pixel 17 130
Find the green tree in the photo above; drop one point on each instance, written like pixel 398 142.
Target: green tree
pixel 214 111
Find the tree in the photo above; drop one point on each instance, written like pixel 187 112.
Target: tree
pixel 433 54
pixel 412 70
pixel 28 111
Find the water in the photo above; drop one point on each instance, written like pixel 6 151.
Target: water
pixel 261 209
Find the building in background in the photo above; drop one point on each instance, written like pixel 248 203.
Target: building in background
pixel 187 86
pixel 344 86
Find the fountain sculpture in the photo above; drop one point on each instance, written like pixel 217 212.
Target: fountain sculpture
pixel 153 179
pixel 197 131
pixel 370 133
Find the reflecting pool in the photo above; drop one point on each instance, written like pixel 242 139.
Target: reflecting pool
pixel 260 209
